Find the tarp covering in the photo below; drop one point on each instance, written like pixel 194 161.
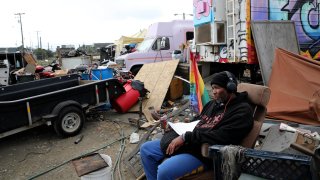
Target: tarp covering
pixel 135 38
pixel 295 88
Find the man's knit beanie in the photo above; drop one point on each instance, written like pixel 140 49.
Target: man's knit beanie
pixel 221 79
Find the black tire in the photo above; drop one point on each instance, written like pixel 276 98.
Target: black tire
pixel 70 121
pixel 134 70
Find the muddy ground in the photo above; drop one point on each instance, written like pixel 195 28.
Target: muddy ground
pixel 28 154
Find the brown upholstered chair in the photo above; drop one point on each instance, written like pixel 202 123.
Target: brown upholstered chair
pixel 259 97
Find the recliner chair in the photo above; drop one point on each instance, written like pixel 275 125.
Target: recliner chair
pixel 259 97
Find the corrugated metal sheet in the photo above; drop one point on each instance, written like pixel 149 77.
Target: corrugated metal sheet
pixel 9 50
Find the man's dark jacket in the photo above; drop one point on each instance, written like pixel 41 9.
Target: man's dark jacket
pixel 220 124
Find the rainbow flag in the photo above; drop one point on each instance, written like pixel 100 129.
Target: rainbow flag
pixel 198 93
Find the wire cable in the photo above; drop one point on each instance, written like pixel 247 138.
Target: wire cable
pixel 85 154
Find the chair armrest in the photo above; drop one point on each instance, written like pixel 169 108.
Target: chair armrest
pixel 205 150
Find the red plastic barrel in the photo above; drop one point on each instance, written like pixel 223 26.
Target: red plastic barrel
pixel 124 102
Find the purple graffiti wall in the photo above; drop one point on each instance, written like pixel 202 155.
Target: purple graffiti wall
pixel 305 14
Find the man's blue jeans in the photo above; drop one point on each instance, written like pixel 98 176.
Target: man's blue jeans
pixel 172 168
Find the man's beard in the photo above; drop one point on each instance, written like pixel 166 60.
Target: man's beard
pixel 222 100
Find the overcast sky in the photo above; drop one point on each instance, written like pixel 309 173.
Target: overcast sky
pixel 77 22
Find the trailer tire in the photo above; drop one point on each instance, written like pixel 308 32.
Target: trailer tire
pixel 70 121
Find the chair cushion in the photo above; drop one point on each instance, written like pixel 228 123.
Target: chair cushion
pixel 257 94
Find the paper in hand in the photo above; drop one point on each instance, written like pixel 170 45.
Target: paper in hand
pixel 181 128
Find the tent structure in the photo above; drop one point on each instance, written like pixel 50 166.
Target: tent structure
pixel 135 38
pixel 295 88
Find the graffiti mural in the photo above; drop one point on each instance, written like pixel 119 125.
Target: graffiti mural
pixel 241 31
pixel 239 43
pixel 305 14
pixel 202 12
pixel 223 55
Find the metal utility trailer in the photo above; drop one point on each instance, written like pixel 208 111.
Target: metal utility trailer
pixel 61 102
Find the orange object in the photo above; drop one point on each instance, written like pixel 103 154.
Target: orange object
pixel 295 88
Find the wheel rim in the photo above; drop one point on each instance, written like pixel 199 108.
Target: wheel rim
pixel 71 122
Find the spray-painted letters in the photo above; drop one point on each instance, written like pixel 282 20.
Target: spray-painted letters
pixel 305 14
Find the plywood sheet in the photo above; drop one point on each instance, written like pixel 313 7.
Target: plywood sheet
pixel 269 35
pixel 30 59
pixel 157 78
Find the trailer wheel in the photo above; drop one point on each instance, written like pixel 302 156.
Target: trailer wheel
pixel 70 121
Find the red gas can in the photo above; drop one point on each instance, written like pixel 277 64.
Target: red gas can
pixel 124 102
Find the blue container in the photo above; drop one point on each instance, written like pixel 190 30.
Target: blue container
pixel 100 74
pixel 85 76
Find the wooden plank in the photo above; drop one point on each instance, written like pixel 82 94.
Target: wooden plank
pixel 157 78
pixel 136 170
pixel 30 59
pixel 147 115
pixel 89 164
pixel 269 35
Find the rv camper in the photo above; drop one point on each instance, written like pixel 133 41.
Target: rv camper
pixel 162 39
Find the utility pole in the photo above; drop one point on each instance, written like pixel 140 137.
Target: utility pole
pixel 40 43
pixel 183 15
pixel 38 39
pixel 20 21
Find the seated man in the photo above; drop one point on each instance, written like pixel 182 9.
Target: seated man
pixel 225 120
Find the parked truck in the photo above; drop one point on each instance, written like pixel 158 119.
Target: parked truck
pixel 223 35
pixel 162 39
pixel 60 101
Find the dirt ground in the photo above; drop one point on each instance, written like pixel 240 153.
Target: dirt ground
pixel 27 154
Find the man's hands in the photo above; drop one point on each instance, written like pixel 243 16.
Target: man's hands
pixel 174 145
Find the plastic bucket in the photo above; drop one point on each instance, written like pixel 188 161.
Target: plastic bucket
pixel 124 102
pixel 100 74
pixel 101 174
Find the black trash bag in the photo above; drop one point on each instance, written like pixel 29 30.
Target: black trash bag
pixel 139 86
